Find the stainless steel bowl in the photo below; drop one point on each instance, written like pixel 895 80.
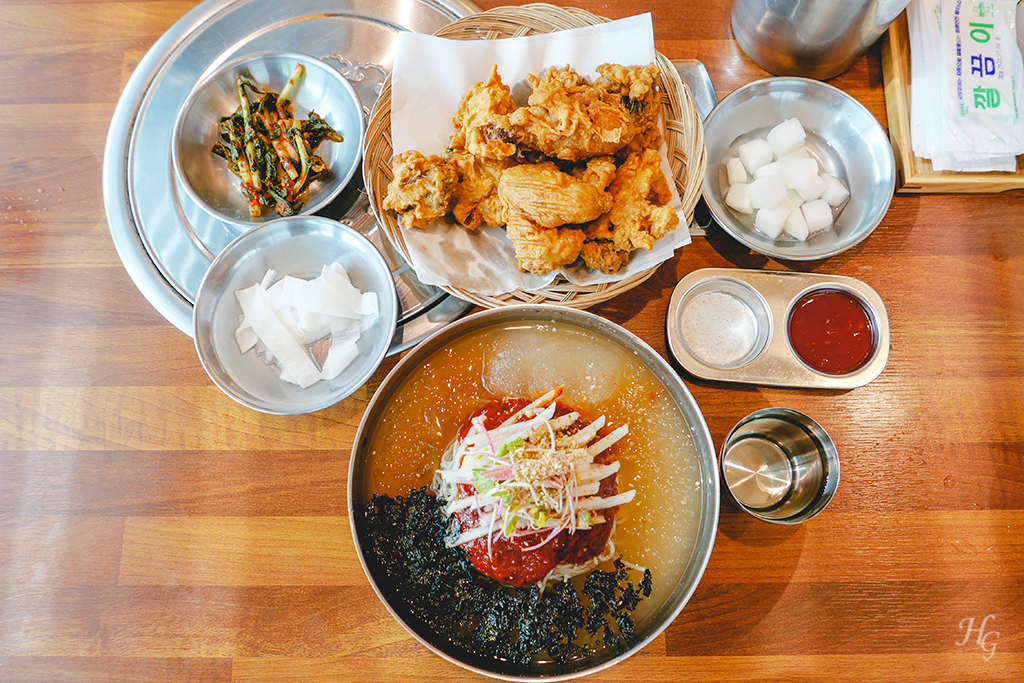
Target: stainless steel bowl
pixel 842 134
pixel 299 246
pixel 382 411
pixel 780 466
pixel 323 89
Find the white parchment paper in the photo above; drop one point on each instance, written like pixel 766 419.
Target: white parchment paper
pixel 428 81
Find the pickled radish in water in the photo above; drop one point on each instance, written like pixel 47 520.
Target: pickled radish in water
pixel 786 136
pixel 738 199
pixel 735 172
pixel 282 320
pixel 770 220
pixel 755 153
pixel 766 192
pixel 818 215
pixel 795 225
pixel 835 192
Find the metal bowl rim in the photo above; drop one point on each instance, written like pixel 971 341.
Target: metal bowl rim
pixel 710 479
pixel 197 90
pixel 720 214
pixel 227 253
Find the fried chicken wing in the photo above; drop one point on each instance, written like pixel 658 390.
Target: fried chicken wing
pixel 481 121
pixel 570 119
pixel 546 197
pixel 475 199
pixel 639 214
pixel 421 188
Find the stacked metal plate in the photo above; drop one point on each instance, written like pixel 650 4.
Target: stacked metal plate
pixel 164 239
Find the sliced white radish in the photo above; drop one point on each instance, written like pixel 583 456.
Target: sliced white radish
pixel 282 319
pixel 770 220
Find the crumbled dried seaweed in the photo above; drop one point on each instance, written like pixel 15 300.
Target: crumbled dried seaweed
pixel 404 544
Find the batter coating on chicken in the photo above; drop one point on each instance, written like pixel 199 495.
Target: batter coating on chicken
pixel 639 214
pixel 421 188
pixel 636 88
pixel 481 121
pixel 475 199
pixel 547 198
pixel 541 250
pixel 570 119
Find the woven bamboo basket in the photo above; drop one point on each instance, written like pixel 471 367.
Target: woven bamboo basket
pixel 684 136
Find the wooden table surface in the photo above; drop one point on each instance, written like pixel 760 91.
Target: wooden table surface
pixel 151 529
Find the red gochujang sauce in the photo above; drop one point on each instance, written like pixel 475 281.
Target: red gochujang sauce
pixel 507 559
pixel 831 331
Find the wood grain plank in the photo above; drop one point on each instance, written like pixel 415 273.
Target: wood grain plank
pixel 154 418
pixel 196 622
pixel 965 667
pixel 114 670
pixel 239 551
pixel 896 546
pixel 859 617
pixel 60 551
pixel 301 483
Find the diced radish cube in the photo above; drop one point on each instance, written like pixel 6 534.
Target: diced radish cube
pixel 793 200
pixel 773 168
pixel 770 220
pixel 735 172
pixel 798 153
pixel 766 192
pixel 755 153
pixel 738 198
pixel 835 192
pixel 818 215
pixel 798 174
pixel 795 226
pixel 786 136
pixel 817 188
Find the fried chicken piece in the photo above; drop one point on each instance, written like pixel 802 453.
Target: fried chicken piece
pixel 541 250
pixel 638 215
pixel 546 197
pixel 421 188
pixel 599 171
pixel 636 88
pixel 481 121
pixel 599 250
pixel 604 256
pixel 570 119
pixel 475 198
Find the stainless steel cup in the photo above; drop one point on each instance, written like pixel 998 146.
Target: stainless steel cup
pixel 780 465
pixel 810 38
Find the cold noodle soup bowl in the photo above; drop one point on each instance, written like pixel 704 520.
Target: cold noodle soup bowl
pixel 522 351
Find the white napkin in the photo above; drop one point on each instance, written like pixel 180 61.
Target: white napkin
pixel 428 81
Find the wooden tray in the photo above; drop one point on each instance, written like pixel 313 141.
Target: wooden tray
pixel 915 174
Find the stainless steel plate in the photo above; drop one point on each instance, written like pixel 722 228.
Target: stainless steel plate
pixel 165 240
pixel 729 324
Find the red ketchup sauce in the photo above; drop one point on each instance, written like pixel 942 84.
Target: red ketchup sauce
pixel 505 559
pixel 831 331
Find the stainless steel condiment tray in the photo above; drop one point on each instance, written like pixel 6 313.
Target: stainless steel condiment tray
pixel 730 324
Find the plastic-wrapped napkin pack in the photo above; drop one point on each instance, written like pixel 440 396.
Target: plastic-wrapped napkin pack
pixel 967 84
